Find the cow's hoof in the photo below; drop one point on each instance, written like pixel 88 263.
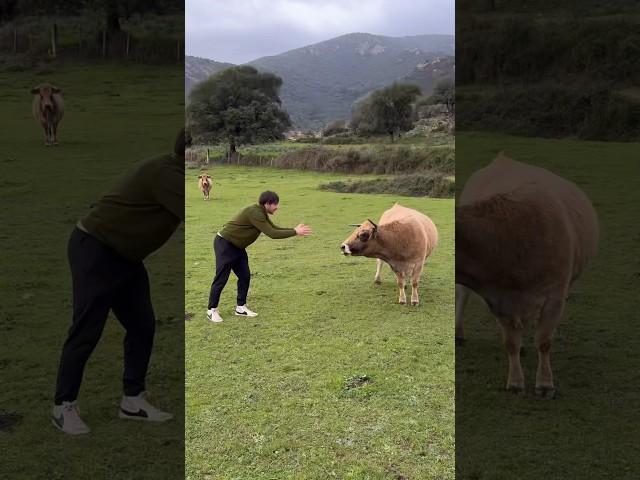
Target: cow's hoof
pixel 377 281
pixel 402 303
pixel 545 393
pixel 460 341
pixel 415 304
pixel 515 389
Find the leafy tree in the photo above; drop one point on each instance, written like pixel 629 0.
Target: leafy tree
pixel 239 106
pixel 386 111
pixel 445 92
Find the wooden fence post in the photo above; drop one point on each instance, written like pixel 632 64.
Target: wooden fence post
pixel 54 40
pixel 207 156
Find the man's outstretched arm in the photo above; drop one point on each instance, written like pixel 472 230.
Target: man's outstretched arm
pixel 262 223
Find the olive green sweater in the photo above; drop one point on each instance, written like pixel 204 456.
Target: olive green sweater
pixel 245 227
pixel 142 210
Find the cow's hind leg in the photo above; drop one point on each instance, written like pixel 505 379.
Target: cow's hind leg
pixel 415 280
pixel 377 279
pixel 45 127
pixel 462 296
pixel 400 279
pixel 512 336
pixel 54 134
pixel 549 318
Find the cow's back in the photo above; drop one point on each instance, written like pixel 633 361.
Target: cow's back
pixel 549 193
pixel 421 226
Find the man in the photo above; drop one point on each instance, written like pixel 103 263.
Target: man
pixel 106 252
pixel 230 249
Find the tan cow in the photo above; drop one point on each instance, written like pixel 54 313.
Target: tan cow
pixel 204 184
pixel 404 238
pixel 48 109
pixel 523 236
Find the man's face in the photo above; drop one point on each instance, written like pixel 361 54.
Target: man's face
pixel 271 208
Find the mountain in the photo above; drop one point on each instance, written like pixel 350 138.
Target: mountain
pixel 322 81
pixel 197 69
pixel 427 75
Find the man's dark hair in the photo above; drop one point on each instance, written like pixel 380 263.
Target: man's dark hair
pixel 268 197
pixel 182 141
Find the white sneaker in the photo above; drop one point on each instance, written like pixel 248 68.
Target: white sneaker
pixel 213 315
pixel 66 418
pixel 243 311
pixel 137 408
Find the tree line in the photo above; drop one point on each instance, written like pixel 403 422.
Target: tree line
pixel 111 10
pixel 240 105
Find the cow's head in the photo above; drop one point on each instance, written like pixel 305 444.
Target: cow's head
pixel 361 239
pixel 46 93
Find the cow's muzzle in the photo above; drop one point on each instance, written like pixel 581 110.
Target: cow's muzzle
pixel 345 249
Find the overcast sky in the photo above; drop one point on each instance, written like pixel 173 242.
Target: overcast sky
pixel 238 31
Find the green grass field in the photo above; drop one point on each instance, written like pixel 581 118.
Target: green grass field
pixel 589 430
pixel 115 115
pixel 277 396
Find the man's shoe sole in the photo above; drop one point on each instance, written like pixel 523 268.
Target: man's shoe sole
pixel 126 416
pixel 55 424
pixel 245 315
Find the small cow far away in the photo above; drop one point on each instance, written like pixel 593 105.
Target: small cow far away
pixel 48 108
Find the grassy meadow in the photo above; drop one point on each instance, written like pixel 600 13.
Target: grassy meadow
pixel 333 379
pixel 589 430
pixel 115 115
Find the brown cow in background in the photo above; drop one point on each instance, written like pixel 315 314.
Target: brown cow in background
pixel 204 184
pixel 48 108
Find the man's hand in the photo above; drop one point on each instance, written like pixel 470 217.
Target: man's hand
pixel 303 230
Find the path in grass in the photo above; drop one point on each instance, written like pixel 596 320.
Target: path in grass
pixel 284 395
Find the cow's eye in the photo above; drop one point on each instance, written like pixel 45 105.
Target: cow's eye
pixel 363 237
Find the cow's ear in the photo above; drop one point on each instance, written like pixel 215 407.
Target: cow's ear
pixel 55 89
pixel 199 176
pixel 35 90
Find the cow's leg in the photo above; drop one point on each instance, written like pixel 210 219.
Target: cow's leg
pixel 45 127
pixel 415 280
pixel 462 296
pixel 512 335
pixel 400 280
pixel 549 318
pixel 377 279
pixel 54 133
